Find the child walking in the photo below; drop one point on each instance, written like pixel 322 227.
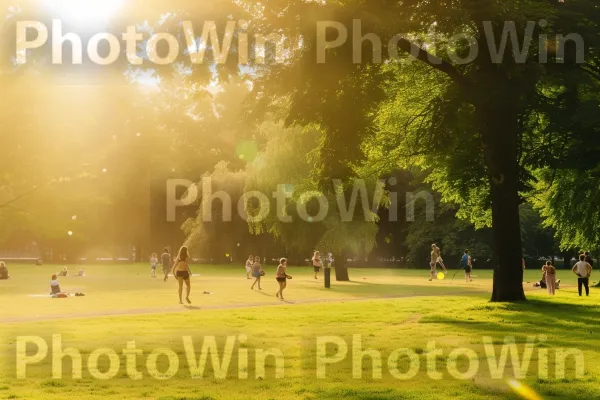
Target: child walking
pixel 153 264
pixel 257 272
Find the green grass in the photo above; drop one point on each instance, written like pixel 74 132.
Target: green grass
pixel 389 309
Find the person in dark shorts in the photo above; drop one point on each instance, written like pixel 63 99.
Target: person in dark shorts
pixel 281 277
pixel 181 270
pixel 257 272
pixel 317 263
pixel 467 264
pixel 166 263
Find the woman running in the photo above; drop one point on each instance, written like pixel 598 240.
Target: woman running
pixel 317 263
pixel 181 270
pixel 249 264
pixel 281 277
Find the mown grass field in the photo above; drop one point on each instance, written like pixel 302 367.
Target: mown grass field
pixel 386 309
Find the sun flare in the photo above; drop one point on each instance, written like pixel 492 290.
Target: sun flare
pixel 83 11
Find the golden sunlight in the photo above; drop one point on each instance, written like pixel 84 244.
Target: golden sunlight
pixel 83 11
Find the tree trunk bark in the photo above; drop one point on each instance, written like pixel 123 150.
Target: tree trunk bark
pixel 500 129
pixel 341 271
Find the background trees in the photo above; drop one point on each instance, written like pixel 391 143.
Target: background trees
pixel 516 127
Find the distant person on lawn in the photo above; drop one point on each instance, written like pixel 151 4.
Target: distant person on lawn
pixel 550 274
pixel 257 272
pixel 249 264
pixel 317 263
pixel 583 270
pixel 3 271
pixel 64 272
pixel 181 270
pixel 466 263
pixel 153 264
pixel 166 263
pixel 54 285
pixel 281 277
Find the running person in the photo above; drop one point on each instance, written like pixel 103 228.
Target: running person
pixel 281 277
pixel 181 270
pixel 317 263
pixel 467 264
pixel 153 263
pixel 439 259
pixel 257 272
pixel 166 263
pixel 249 264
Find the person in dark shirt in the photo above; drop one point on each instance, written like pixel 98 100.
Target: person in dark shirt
pixel 166 263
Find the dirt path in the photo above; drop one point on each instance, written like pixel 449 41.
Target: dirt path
pixel 192 308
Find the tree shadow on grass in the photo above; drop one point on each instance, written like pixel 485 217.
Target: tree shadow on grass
pixel 570 324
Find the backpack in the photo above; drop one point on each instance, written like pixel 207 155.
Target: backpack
pixel 464 261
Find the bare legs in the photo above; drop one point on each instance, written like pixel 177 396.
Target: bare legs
pixel 257 280
pixel 282 285
pixel 187 287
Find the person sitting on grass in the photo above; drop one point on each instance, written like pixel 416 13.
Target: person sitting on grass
pixel 64 272
pixel 54 285
pixel 3 271
pixel 583 270
pixel 81 272
pixel 542 282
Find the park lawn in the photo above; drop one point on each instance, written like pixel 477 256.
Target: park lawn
pixel 390 309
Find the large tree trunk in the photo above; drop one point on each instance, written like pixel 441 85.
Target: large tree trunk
pixel 500 129
pixel 341 270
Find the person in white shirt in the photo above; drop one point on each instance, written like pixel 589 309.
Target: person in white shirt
pixel 249 264
pixel 153 263
pixel 583 270
pixel 54 285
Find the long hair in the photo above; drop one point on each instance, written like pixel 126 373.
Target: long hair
pixel 183 254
